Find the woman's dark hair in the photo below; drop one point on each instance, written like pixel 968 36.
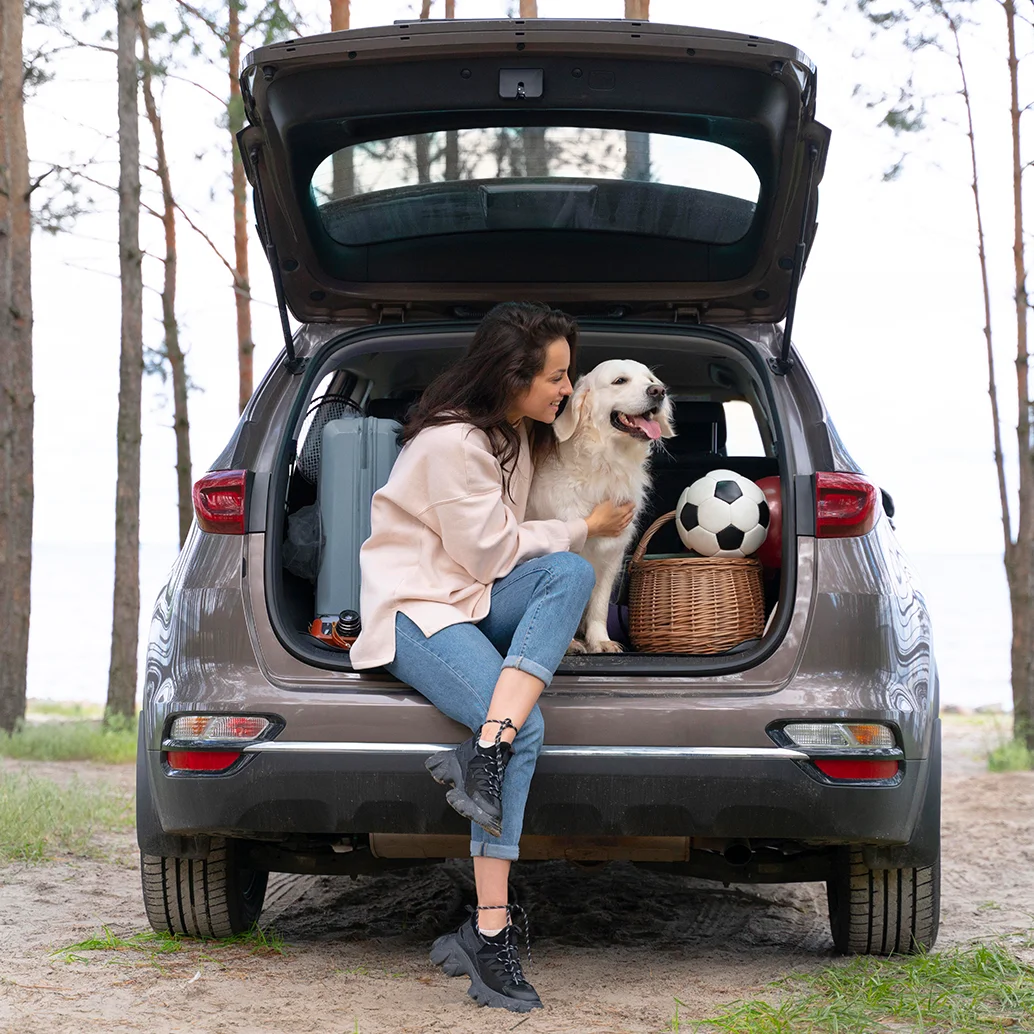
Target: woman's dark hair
pixel 508 351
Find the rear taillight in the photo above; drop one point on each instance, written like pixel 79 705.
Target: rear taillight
pixel 856 768
pixel 845 505
pixel 202 760
pixel 213 742
pixel 219 502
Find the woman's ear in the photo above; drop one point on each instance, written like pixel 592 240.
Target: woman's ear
pixel 565 424
pixel 664 419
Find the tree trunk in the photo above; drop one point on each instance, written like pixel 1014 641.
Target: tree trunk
pixel 241 286
pixel 1018 558
pixel 343 162
pixel 126 608
pixel 16 399
pixel 173 352
pixel 637 145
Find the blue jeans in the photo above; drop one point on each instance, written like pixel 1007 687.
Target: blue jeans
pixel 534 614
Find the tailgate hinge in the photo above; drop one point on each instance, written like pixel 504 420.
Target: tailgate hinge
pixel 686 314
pixel 782 364
pixel 294 365
pixel 391 314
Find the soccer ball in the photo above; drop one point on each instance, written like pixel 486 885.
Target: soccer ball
pixel 722 514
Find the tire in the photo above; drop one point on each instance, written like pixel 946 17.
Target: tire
pixel 883 911
pixel 202 897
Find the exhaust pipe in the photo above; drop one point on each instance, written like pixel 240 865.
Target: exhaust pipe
pixel 738 853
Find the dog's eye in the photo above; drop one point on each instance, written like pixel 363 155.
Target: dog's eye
pixel 621 380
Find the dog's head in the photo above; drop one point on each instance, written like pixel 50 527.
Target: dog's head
pixel 618 397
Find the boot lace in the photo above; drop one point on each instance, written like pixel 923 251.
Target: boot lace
pixel 508 954
pixel 493 774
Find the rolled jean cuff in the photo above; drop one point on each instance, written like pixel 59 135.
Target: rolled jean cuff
pixel 531 667
pixel 479 849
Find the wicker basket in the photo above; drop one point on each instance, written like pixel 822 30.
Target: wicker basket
pixel 693 605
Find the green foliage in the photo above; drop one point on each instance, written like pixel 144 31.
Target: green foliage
pixel 38 818
pixel 980 988
pixel 154 945
pixel 76 709
pixel 112 741
pixel 1011 756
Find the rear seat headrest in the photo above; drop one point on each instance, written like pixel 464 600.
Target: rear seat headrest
pixel 393 408
pixel 700 428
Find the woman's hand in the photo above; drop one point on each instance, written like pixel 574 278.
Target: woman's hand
pixel 609 519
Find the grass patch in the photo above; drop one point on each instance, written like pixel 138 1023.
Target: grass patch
pixel 114 743
pixel 978 989
pixel 39 819
pixel 256 940
pixel 75 710
pixel 1011 756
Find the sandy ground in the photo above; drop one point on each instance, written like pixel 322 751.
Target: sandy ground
pixel 613 948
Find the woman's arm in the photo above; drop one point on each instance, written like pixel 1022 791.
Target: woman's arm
pixel 478 530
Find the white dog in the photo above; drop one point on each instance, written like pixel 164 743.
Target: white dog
pixel 617 412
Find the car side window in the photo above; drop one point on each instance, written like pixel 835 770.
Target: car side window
pixel 743 436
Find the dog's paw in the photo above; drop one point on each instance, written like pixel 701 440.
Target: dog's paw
pixel 577 646
pixel 605 646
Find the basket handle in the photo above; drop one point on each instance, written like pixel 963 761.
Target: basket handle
pixel 648 534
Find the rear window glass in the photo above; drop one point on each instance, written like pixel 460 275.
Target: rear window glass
pixel 535 178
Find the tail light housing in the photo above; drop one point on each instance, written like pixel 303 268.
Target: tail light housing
pixel 201 760
pixel 219 501
pixel 854 752
pixel 845 505
pixel 856 769
pixel 214 742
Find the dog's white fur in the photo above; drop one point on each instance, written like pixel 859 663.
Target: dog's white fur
pixel 595 462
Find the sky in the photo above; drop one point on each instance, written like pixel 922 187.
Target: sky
pixel 889 318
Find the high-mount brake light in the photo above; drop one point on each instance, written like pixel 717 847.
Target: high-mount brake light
pixel 219 499
pixel 845 505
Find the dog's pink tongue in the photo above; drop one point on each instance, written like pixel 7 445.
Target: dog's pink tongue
pixel 651 428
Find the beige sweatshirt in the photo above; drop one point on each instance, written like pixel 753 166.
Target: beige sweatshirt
pixel 442 531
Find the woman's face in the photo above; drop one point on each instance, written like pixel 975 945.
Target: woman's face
pixel 549 388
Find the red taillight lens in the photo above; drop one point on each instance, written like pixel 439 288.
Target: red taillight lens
pixel 850 768
pixel 219 502
pixel 202 760
pixel 845 505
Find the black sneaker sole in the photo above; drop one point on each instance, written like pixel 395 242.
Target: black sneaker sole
pixel 448 953
pixel 445 769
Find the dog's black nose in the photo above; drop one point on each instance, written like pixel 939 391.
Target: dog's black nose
pixel 656 391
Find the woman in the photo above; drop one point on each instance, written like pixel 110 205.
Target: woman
pixel 474 607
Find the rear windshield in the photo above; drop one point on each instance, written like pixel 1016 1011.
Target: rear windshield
pixel 535 178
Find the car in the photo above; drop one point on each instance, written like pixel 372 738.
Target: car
pixel 660 183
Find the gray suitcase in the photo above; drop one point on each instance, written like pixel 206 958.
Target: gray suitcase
pixel 356 458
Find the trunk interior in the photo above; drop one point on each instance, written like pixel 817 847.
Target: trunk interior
pixel 355 391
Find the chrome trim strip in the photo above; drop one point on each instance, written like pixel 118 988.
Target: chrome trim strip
pixel 715 753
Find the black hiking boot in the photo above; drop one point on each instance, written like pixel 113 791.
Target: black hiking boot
pixel 475 777
pixel 493 965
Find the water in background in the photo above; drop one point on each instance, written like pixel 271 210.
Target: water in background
pixel 70 634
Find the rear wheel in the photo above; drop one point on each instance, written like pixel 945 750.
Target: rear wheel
pixel 882 911
pixel 202 897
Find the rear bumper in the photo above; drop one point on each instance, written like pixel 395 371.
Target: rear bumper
pixel 357 789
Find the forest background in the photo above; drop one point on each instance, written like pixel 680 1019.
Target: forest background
pixel 889 319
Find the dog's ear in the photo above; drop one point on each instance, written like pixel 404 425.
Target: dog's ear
pixel 565 424
pixel 664 419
